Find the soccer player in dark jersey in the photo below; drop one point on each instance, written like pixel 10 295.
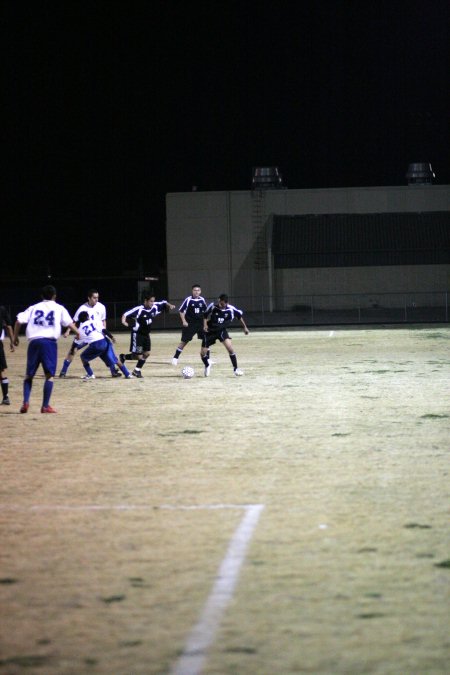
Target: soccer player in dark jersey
pixel 191 311
pixel 218 317
pixel 141 318
pixel 5 325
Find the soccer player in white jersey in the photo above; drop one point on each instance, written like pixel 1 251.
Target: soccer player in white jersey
pixel 44 321
pixel 97 314
pixel 218 317
pixel 99 344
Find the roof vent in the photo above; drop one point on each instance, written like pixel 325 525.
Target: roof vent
pixel 420 173
pixel 266 178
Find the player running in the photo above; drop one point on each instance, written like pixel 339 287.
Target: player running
pixel 141 319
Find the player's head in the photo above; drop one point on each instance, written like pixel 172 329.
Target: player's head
pixel 149 300
pixel 196 290
pixel 48 292
pixel 93 297
pixel 223 300
pixel 83 316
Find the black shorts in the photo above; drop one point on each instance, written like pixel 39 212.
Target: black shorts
pixel 211 337
pixel 140 343
pixel 3 364
pixel 188 332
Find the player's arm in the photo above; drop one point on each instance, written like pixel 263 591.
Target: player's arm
pixel 182 312
pixel 74 328
pixel 17 327
pixel 206 315
pixel 108 335
pixel 244 325
pixel 128 318
pixel 9 330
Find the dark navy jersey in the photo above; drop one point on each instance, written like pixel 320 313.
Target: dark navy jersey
pixel 143 316
pixel 193 308
pixel 218 318
pixel 5 320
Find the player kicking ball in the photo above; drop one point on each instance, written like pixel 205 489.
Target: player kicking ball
pixel 218 317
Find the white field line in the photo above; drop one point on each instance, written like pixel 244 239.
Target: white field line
pixel 202 635
pixel 192 659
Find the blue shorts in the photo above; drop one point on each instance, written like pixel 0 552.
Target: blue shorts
pixel 42 351
pixel 100 348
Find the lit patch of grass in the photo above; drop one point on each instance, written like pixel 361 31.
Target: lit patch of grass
pixel 417 526
pixel 434 416
pixel 113 598
pixel 185 431
pixel 367 549
pixel 444 564
pixel 130 643
pixel 32 661
pixel 435 336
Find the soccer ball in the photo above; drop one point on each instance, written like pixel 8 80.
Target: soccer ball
pixel 188 372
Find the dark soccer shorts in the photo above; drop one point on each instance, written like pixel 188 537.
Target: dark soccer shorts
pixel 210 338
pixel 188 332
pixel 140 343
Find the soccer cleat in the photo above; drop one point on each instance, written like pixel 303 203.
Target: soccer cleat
pixel 47 409
pixel 62 374
pixel 88 377
pixel 238 372
pixel 116 373
pixel 122 358
pixel 137 373
pixel 6 401
pixel 129 377
pixel 207 370
pixel 174 361
pixel 24 407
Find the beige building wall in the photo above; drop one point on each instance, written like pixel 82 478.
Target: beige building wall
pixel 222 241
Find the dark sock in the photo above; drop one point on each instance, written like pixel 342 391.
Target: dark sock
pixel 233 359
pixel 5 383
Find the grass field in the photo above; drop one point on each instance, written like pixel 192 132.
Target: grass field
pixel 294 520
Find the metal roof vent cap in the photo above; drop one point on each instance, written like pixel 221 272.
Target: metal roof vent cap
pixel 420 173
pixel 266 178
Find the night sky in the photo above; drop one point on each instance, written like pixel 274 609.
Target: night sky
pixel 107 106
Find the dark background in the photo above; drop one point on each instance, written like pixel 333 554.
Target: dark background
pixel 107 106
